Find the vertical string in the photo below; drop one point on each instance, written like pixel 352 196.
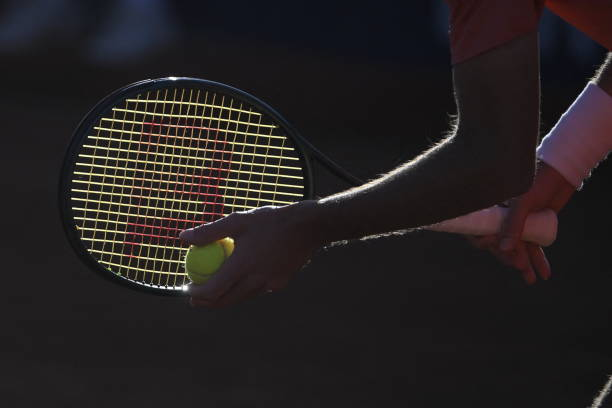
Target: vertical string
pixel 156 232
pixel 97 210
pixel 162 231
pixel 212 182
pixel 89 184
pixel 130 239
pixel 278 168
pixel 132 126
pixel 256 143
pixel 226 163
pixel 216 168
pixel 265 166
pixel 243 147
pixel 185 224
pixel 136 236
pixel 181 170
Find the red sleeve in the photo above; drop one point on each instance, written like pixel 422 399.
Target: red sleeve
pixel 477 26
pixel 593 17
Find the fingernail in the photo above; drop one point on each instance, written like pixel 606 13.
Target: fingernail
pixel 506 244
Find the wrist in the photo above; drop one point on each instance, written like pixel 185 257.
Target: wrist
pixel 306 219
pixel 581 138
pixel 324 221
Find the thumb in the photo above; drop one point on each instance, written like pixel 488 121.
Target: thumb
pixel 214 231
pixel 512 227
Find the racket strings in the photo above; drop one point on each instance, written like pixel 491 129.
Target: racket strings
pixel 172 159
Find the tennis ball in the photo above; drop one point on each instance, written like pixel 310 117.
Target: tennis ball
pixel 201 262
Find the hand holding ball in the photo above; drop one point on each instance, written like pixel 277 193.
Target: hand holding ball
pixel 201 262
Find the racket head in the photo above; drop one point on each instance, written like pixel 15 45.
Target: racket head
pixel 162 155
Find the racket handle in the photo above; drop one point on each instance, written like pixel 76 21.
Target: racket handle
pixel 540 227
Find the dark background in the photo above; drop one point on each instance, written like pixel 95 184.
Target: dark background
pixel 419 320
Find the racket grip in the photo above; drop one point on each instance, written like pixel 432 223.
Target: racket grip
pixel 540 227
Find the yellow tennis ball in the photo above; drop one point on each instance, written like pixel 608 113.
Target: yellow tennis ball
pixel 201 262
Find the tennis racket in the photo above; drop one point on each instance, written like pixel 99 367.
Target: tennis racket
pixel 163 155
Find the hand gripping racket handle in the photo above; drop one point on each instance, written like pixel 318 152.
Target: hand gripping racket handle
pixel 540 227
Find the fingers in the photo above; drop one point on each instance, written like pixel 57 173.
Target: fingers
pixel 225 227
pixel 222 281
pixel 231 285
pixel 512 227
pixel 491 243
pixel 539 261
pixel 241 291
pixel 550 190
pixel 529 259
pixel 485 242
pixel 520 260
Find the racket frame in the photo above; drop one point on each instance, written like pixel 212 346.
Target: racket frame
pixel 104 106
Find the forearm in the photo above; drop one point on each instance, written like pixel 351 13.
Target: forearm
pixel 489 158
pixel 449 180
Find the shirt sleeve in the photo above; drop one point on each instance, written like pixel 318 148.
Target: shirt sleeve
pixel 477 26
pixel 593 17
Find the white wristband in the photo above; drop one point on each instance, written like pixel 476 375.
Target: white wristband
pixel 582 137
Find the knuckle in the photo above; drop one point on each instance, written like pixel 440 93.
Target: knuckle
pixel 195 231
pixel 232 217
pixel 236 219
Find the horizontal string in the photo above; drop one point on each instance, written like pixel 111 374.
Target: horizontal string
pixel 124 223
pixel 181 116
pixel 198 139
pixel 140 197
pixel 198 149
pixel 188 166
pixel 139 257
pixel 167 173
pixel 225 196
pixel 147 207
pixel 204 159
pixel 128 233
pixel 232 131
pixel 111 241
pixel 141 269
pixel 170 200
pixel 206 186
pixel 205 105
pixel 134 224
pixel 152 217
